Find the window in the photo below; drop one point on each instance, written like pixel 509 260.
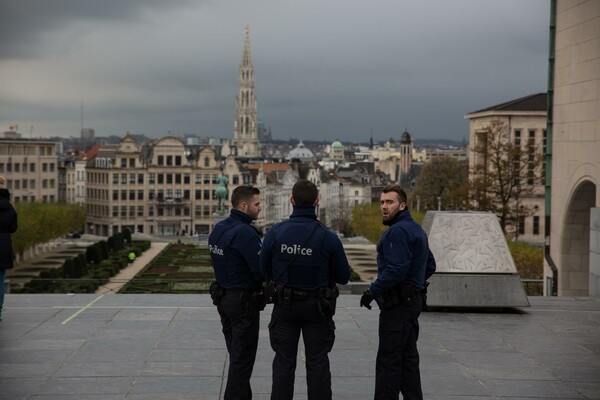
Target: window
pixel 169 160
pixel 32 167
pixel 140 195
pixel 186 194
pixel 140 179
pixel 236 179
pixel 51 167
pixel 123 163
pixel 115 179
pixel 123 194
pixel 186 179
pixel 206 178
pixel 177 160
pixel 115 195
pixel 536 225
pixel 132 163
pixel 161 160
pixel 140 211
pixel 169 194
pixel 115 212
pixel 521 225
pixel 123 211
pixel 132 178
pixel 178 179
pixel 151 178
pixel 150 211
pixel 132 211
pixel 178 193
pixel 17 167
pixel 169 178
pixel 44 167
pixel 45 183
pixel 123 179
pixel 161 179
pixel 206 162
pixel 206 194
pixel 198 178
pixel 518 137
pixel 198 211
pixel 198 194
pixel 132 195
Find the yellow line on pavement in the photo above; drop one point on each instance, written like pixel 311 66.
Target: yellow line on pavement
pixel 66 321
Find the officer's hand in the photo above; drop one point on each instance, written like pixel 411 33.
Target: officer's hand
pixel 366 299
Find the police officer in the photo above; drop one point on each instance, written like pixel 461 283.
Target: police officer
pixel 305 260
pixel 404 263
pixel 234 246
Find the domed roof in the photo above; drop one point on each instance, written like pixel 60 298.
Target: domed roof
pixel 337 145
pixel 301 153
pixel 405 138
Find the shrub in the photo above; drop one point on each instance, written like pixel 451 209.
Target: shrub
pixel 528 259
pixel 68 269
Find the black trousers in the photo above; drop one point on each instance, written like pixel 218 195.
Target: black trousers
pixel 397 366
pixel 241 338
pixel 318 332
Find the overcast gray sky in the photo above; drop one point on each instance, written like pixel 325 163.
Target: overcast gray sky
pixel 323 69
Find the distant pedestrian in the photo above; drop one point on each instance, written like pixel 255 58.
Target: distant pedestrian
pixel 404 263
pixel 234 246
pixel 8 225
pixel 305 260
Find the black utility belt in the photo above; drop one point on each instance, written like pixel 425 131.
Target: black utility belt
pixel 404 294
pixel 294 294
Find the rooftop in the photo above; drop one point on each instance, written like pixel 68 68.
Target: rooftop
pixel 91 346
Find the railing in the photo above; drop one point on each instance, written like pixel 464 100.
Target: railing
pixel 533 287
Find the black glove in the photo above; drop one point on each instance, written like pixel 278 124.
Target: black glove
pixel 366 299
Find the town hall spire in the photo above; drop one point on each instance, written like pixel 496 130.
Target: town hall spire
pixel 245 133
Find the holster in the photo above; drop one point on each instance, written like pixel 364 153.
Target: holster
pixel 403 294
pixel 255 303
pixel 327 300
pixel 270 292
pixel 216 292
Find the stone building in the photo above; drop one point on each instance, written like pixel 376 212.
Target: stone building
pixel 30 167
pixel 572 256
pixel 525 122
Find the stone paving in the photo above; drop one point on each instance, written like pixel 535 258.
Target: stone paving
pixel 91 346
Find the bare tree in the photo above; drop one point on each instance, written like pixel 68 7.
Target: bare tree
pixel 502 172
pixel 442 180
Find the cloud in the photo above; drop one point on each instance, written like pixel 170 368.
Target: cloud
pixel 323 69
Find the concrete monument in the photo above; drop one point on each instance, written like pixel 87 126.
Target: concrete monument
pixel 474 265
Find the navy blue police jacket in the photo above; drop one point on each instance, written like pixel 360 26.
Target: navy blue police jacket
pixel 302 253
pixel 234 246
pixel 403 255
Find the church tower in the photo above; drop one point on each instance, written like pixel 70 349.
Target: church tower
pixel 245 132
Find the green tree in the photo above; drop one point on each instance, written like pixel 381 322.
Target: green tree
pixel 443 178
pixel 42 222
pixel 501 171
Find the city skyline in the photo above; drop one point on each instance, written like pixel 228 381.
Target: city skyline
pixel 322 71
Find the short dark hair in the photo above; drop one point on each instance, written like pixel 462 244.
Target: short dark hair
pixel 394 187
pixel 242 194
pixel 305 193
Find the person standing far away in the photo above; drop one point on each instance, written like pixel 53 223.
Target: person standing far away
pixel 8 225
pixel 234 246
pixel 404 263
pixel 305 260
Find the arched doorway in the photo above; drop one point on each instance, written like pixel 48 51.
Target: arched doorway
pixel 574 279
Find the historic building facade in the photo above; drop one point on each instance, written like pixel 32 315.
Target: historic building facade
pixel 524 120
pixel 30 167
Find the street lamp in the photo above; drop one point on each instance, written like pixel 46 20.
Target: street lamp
pixel 517 222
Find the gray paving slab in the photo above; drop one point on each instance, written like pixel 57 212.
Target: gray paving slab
pixel 93 346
